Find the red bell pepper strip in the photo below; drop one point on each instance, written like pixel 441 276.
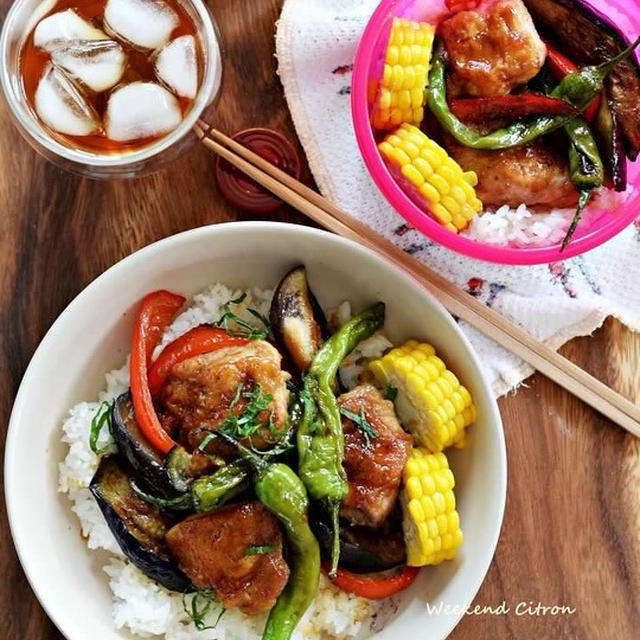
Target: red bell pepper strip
pixel 199 340
pixel 559 64
pixel 562 66
pixel 511 106
pixel 156 312
pixel 461 5
pixel 375 587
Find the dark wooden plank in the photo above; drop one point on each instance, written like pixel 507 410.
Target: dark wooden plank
pixel 570 532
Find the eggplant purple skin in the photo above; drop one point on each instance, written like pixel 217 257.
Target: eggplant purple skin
pixel 150 469
pixel 353 557
pixel 588 37
pixel 157 566
pixel 293 299
pixel 609 137
pixel 617 162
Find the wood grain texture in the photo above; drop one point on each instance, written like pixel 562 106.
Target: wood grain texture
pixel 571 529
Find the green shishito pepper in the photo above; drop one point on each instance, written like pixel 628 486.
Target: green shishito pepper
pixel 320 439
pixel 212 491
pixel 208 492
pixel 585 168
pixel 282 492
pixel 578 88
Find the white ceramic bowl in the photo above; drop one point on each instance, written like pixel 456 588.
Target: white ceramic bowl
pixel 92 336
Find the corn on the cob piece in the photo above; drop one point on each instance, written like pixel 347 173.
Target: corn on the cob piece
pixel 401 94
pixel 430 402
pixel 431 177
pixel 430 521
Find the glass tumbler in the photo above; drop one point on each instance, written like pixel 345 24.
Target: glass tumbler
pixel 20 21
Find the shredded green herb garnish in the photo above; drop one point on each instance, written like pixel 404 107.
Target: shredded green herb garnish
pixel 201 603
pixel 101 419
pixel 206 440
pixel 234 325
pixel 262 318
pixel 180 503
pixel 390 392
pixel 260 550
pixel 247 422
pixel 236 396
pixel 368 431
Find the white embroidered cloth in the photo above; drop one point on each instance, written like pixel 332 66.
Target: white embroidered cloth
pixel 316 42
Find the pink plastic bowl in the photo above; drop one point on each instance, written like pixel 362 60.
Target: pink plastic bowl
pixel 593 231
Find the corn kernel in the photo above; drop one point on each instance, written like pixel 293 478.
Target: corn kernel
pixel 452 206
pixel 441 214
pixel 447 541
pixel 449 500
pixel 471 178
pixel 411 149
pixel 414 488
pixel 426 170
pixel 427 483
pixel 429 506
pixel 417 513
pixel 417 98
pixel 438 501
pixel 412 174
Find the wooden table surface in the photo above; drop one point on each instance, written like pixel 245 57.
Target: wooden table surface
pixel 571 532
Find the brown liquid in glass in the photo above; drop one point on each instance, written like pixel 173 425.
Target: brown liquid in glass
pixel 139 67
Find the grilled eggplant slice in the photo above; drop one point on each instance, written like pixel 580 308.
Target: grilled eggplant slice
pixel 297 319
pixel 138 526
pixel 362 550
pixel 590 37
pixel 167 477
pixel 149 467
pixel 609 137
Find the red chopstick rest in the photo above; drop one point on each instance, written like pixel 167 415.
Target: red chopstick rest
pixel 245 193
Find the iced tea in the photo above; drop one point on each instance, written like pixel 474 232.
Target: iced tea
pixel 112 76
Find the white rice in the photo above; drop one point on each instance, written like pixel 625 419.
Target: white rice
pixel 521 227
pixel 139 603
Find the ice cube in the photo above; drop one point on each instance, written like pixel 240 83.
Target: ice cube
pixel 145 23
pixel 177 68
pixel 63 27
pixel 62 107
pixel 141 110
pixel 97 64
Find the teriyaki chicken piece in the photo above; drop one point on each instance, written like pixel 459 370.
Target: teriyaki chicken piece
pixel 203 393
pixel 236 551
pixel 492 49
pixel 375 451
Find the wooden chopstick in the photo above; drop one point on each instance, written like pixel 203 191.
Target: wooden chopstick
pixel 568 375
